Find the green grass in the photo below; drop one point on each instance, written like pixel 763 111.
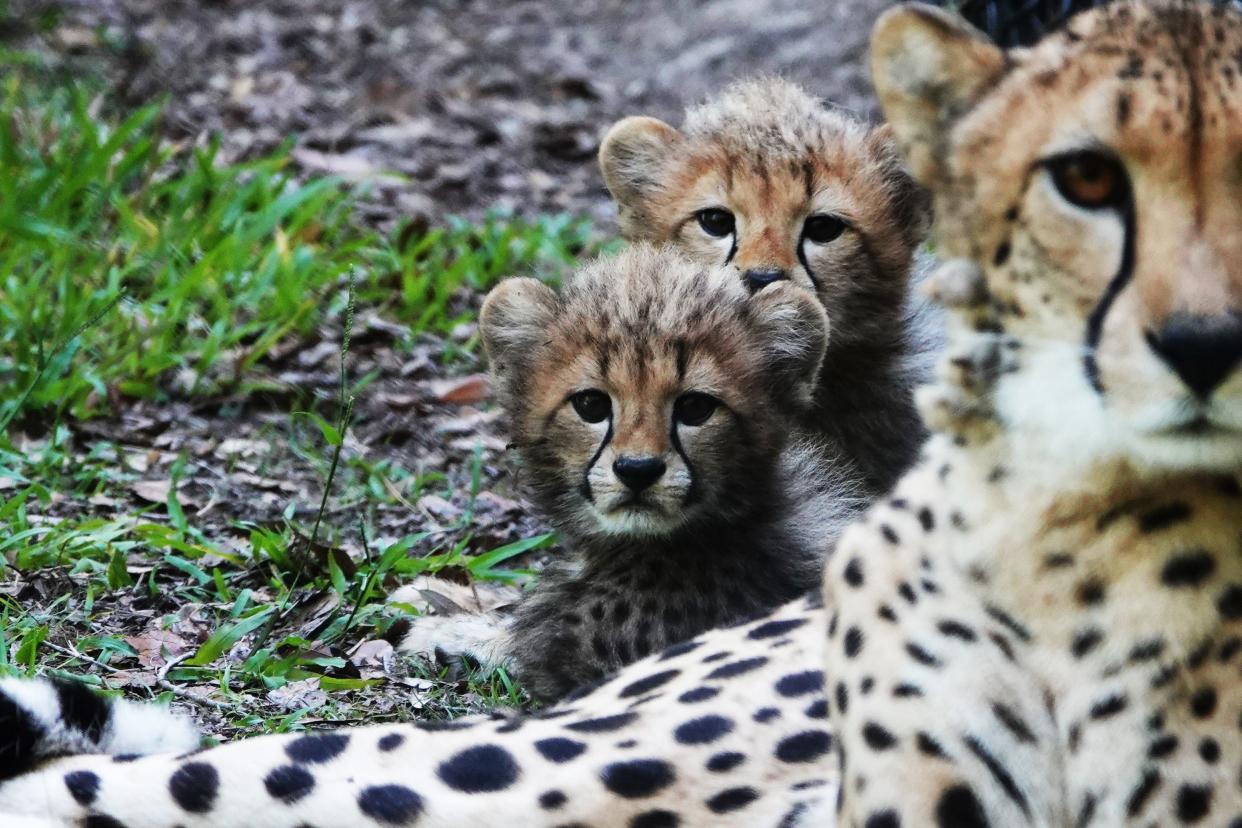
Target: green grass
pixel 132 268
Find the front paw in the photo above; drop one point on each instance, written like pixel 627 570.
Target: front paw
pixel 480 638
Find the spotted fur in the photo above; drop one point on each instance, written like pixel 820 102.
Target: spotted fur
pixel 1042 625
pixel 742 507
pixel 814 196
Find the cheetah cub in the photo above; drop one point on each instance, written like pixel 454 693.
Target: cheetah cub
pixel 770 181
pixel 654 405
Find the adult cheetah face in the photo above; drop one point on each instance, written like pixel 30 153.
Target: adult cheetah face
pixel 650 394
pixel 1097 180
pixel 767 181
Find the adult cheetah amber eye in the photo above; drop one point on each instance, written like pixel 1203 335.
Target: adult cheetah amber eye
pixel 716 222
pixel 592 406
pixel 694 408
pixel 1089 179
pixel 822 229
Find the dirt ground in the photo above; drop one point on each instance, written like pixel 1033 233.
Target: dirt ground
pixel 473 105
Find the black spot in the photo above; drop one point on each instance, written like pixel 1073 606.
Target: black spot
pixel 922 656
pixel 853 642
pixel 799 684
pixel 1110 706
pixel 843 697
pixel 854 573
pixel 122 758
pixel 1147 650
pixel 649 683
pixel 1086 812
pixel 604 724
pixel 1058 560
pixel 1193 802
pixel 390 741
pixel 1002 617
pixel 804 747
pixel 317 748
pixel 479 769
pixel 558 749
pixel 698 694
pixel 193 786
pixel 637 778
pixel 1090 592
pixel 101 821
pixel 771 629
pixel 1085 641
pixel 1013 723
pixel 289 783
pixel 999 772
pixel 877 737
pixel 766 714
pixel 907 592
pixel 1163 517
pixel 1142 792
pixel 726 761
pixel 960 808
pixel 390 804
pixel 1209 750
pixel 883 819
pixel 655 819
pixel 732 799
pixel 80 708
pixel 889 534
pixel 926 519
pixel 954 629
pixel 703 730
pixel 1189 569
pixel 737 668
pixel 551 800
pixel 1203 703
pixel 907 691
pixel 1230 603
pixel 1001 255
pixel 83 786
pixel 928 746
pixel 679 649
pixel 817 709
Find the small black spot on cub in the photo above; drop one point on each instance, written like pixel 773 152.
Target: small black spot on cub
pixel 390 804
pixel 194 786
pixel 479 769
pixel 1164 517
pixel 883 819
pixel 289 783
pixel 1188 569
pixel 83 786
pixel 854 573
pixel 1203 703
pixel 317 748
pixel 558 749
pixel 732 799
pixel 877 737
pixel 637 778
pixel 1193 802
pixel 1110 706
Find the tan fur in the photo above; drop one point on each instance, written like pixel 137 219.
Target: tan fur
pixel 774 157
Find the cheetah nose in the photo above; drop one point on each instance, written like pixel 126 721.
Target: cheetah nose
pixel 638 472
pixel 1202 350
pixel 757 280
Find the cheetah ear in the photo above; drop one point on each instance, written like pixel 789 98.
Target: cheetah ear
pixel 631 159
pixel 929 67
pixel 514 321
pixel 794 328
pixel 911 201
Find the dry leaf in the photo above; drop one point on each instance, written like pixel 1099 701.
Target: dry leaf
pixel 462 390
pixel 152 491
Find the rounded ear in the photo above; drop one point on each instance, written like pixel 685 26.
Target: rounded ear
pixel 794 328
pixel 631 159
pixel 929 67
pixel 911 201
pixel 514 321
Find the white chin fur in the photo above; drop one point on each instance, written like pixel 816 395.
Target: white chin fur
pixel 635 522
pixel 1050 395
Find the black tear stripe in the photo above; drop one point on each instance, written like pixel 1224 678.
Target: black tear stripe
pixel 732 246
pixel 807 265
pixel 1095 322
pixel 586 475
pixel 693 492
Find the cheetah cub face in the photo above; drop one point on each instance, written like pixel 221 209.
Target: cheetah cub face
pixel 768 180
pixel 1110 233
pixel 640 417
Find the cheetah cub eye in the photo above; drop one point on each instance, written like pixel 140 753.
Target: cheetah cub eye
pixel 694 408
pixel 716 222
pixel 591 405
pixel 822 228
pixel 1089 179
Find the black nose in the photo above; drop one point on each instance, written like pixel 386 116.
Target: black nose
pixel 1202 350
pixel 638 472
pixel 757 280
